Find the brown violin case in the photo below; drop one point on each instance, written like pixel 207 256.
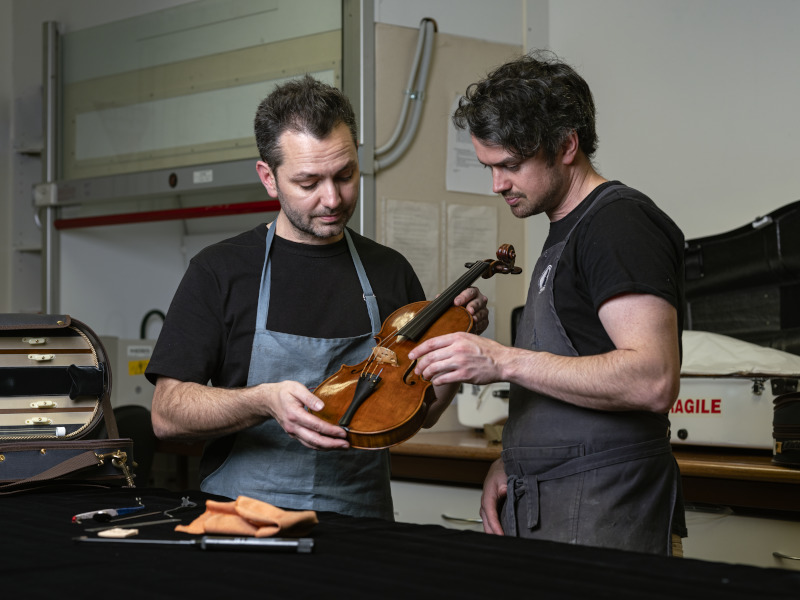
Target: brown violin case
pixel 56 421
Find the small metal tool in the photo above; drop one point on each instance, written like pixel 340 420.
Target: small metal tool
pixel 132 525
pixel 207 542
pixel 135 516
pixel 185 503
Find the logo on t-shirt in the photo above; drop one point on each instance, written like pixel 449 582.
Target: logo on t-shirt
pixel 543 278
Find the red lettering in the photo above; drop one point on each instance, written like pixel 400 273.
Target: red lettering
pixel 696 406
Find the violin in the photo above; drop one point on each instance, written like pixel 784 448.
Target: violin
pixel 381 402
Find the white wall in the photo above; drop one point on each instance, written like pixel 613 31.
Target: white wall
pixel 696 99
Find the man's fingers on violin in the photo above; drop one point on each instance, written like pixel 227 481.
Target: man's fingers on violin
pixel 466 297
pixel 441 363
pixel 317 426
pixel 305 397
pixel 436 343
pixel 433 363
pixel 313 403
pixel 477 303
pixel 481 320
pixel 320 440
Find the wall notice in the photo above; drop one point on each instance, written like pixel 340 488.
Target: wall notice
pixel 464 172
pixel 414 229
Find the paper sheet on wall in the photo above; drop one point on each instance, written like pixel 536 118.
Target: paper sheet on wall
pixel 464 172
pixel 413 229
pixel 471 237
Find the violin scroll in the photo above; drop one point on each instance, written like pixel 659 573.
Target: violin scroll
pixel 506 256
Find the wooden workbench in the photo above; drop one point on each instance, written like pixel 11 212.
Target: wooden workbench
pixel 744 479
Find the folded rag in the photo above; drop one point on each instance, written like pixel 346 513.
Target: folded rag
pixel 250 517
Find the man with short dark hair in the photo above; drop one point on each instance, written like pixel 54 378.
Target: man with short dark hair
pixel 273 311
pixel 586 450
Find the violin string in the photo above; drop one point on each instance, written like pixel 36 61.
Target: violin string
pixel 367 365
pixel 370 370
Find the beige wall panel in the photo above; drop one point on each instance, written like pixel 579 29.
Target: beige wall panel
pixel 419 175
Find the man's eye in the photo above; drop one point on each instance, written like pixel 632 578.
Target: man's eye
pixel 309 186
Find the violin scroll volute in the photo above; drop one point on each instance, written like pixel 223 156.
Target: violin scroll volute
pixel 506 256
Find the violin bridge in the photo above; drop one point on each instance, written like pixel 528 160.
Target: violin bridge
pixel 384 356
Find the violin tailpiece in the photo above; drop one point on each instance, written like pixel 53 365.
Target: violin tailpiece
pixel 365 385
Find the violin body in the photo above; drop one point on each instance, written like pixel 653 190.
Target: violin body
pixel 381 402
pixel 396 408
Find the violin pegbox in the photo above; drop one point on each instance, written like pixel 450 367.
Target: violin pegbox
pixel 506 256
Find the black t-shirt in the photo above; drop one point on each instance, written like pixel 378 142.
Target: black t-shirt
pixel 208 332
pixel 627 246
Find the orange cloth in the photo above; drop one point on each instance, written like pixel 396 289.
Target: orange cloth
pixel 250 517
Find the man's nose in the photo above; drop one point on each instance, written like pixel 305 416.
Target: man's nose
pixel 330 194
pixel 499 181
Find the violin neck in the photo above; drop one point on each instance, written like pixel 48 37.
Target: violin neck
pixel 417 326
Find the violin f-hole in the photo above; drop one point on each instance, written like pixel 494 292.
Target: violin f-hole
pixel 407 374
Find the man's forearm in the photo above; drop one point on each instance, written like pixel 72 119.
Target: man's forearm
pixel 642 373
pixel 617 380
pixel 186 410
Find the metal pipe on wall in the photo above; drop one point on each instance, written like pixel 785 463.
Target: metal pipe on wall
pixel 407 98
pixel 416 93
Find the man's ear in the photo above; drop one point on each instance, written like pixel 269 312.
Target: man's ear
pixel 268 179
pixel 571 147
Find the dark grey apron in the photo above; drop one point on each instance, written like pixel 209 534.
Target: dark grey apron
pixel 579 475
pixel 266 463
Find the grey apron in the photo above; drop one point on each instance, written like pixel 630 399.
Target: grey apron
pixel 579 475
pixel 266 463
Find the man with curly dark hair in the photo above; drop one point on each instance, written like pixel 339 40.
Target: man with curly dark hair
pixel 596 364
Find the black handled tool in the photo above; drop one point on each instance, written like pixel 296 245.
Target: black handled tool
pixel 208 542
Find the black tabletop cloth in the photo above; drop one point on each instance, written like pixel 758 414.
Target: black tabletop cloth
pixel 352 558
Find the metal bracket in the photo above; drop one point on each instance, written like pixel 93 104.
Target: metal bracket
pixel 45 195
